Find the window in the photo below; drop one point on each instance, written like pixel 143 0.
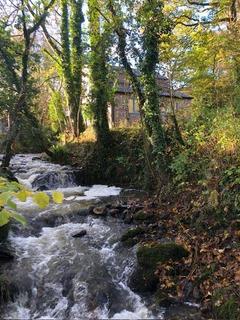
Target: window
pixel 133 106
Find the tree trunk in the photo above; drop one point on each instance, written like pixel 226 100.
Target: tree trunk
pixel 98 75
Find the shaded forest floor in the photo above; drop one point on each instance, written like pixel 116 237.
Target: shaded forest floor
pixel 210 275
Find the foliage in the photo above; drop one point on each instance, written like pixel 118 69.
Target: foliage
pixel 56 114
pixel 59 153
pixel 124 159
pixel 10 191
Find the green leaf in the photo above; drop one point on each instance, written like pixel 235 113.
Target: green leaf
pixel 57 197
pixel 4 217
pixel 5 197
pixel 41 199
pixel 11 204
pixel 18 217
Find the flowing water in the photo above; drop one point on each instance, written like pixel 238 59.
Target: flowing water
pixel 62 277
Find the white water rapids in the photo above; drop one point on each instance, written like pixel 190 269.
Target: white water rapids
pixel 61 277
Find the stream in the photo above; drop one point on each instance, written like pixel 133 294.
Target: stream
pixel 62 277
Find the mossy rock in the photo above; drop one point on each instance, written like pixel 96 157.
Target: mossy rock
pixel 131 233
pixel 143 281
pixel 142 216
pixel 143 278
pixel 150 255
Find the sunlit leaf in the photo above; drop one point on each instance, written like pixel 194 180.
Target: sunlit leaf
pixel 57 197
pixel 41 199
pixel 21 195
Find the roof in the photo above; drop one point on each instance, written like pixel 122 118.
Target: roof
pixel 124 87
pixel 166 93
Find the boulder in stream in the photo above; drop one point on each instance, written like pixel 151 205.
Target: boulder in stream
pixel 80 234
pixel 144 278
pixel 100 211
pixel 5 255
pixel 131 236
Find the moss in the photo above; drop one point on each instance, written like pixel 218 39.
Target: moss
pixel 150 256
pixel 144 278
pixel 141 216
pixel 131 233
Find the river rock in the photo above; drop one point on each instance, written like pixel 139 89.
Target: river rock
pixel 131 237
pixel 143 216
pixel 8 289
pixel 5 255
pixel 80 234
pixel 113 212
pixel 150 255
pixel 7 174
pixel 128 217
pixel 100 211
pixel 143 278
pixel 183 312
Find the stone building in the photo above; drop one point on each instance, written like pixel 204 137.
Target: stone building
pixel 125 109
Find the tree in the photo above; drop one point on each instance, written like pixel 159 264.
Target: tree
pixel 149 24
pixel 98 73
pixel 21 80
pixel 70 58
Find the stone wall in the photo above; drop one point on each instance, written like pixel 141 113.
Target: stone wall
pixel 119 115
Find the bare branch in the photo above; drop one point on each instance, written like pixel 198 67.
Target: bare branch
pixel 42 17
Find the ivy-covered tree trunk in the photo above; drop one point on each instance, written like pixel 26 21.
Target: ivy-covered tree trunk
pixel 76 22
pixel 153 23
pixel 146 89
pixel 71 61
pixel 98 74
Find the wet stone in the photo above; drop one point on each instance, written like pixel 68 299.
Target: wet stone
pixel 100 211
pixel 113 212
pixel 5 255
pixel 80 234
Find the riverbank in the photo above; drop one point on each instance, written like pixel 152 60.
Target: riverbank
pixel 207 276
